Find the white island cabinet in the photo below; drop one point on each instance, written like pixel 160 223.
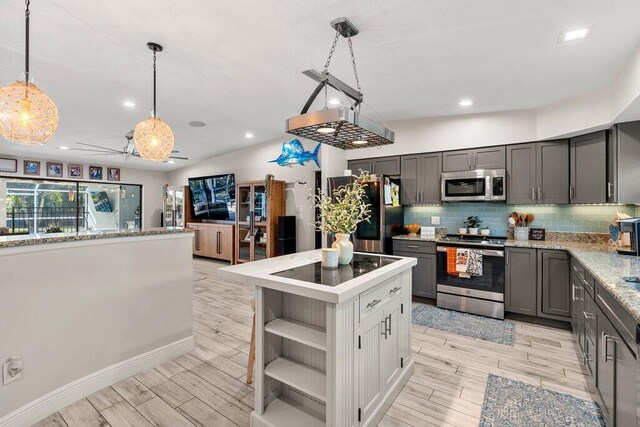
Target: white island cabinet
pixel 332 346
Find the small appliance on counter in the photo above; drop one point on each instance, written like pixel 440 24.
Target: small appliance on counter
pixel 631 226
pixel 387 215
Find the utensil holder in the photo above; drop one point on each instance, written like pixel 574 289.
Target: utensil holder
pixel 521 233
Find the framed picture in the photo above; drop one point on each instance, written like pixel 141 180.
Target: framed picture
pixel 74 171
pixel 31 167
pixel 8 165
pixel 113 174
pixel 54 169
pixel 95 172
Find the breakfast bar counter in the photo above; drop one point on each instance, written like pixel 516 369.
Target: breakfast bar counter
pixel 332 346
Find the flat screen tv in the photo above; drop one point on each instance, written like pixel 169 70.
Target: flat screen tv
pixel 213 197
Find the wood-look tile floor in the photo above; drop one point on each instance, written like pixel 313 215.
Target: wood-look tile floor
pixel 206 387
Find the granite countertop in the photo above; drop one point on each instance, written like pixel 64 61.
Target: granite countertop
pixel 602 261
pixel 38 239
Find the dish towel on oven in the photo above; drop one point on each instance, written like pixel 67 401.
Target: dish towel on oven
pixel 468 262
pixel 451 261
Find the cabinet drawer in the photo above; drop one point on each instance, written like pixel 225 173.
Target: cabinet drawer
pixel 589 283
pixel 414 247
pixel 378 296
pixel 577 268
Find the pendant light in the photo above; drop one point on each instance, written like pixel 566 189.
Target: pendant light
pixel 153 137
pixel 341 127
pixel 27 115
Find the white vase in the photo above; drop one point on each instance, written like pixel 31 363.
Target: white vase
pixel 485 231
pixel 473 230
pixel 462 230
pixel 521 233
pixel 344 247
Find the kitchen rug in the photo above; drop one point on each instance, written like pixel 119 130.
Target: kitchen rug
pixel 470 325
pixel 509 403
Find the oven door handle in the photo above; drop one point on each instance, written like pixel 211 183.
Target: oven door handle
pixel 484 252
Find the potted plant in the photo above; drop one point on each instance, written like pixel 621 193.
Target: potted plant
pixel 473 222
pixel 485 231
pixel 341 214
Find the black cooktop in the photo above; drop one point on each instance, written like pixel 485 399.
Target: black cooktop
pixel 314 273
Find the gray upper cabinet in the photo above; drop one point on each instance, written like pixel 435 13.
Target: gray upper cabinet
pixel 455 161
pixel 623 157
pixel 554 291
pixel 489 158
pixel 552 167
pixel 521 173
pixel 588 168
pixel 421 179
pixel 480 158
pixel 538 173
pixel 520 281
pixel 410 171
pixel 378 165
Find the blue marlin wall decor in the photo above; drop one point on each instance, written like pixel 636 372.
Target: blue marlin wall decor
pixel 293 152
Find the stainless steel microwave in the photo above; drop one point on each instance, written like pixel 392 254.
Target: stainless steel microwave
pixel 488 185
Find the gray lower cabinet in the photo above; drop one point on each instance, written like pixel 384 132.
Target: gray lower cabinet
pixel 421 179
pixel 588 168
pixel 538 173
pixel 554 293
pixel 424 274
pixel 480 158
pixel 520 281
pixel 379 165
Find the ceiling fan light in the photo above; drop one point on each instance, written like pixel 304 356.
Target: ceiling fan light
pixel 27 115
pixel 153 139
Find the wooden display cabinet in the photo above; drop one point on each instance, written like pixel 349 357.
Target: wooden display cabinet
pixel 257 212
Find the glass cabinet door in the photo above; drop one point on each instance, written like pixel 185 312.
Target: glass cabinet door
pixel 244 235
pixel 178 204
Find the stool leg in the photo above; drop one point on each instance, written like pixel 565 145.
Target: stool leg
pixel 252 352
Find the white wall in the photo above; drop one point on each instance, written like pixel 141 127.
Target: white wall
pixel 151 181
pixel 253 164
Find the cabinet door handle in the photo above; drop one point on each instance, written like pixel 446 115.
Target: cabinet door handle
pixel 475 160
pixel 394 290
pixel 197 241
pixel 588 316
pixel 218 242
pixel 374 303
pixel 573 292
pixel 421 197
pixel 417 196
pixel 385 330
pixel 389 326
pixel 413 247
pixel 469 162
pixel 572 193
pixel 609 189
pixel 605 347
pixel 533 193
pixel 539 193
pixel 506 257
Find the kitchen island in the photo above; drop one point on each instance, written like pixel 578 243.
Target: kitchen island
pixel 332 346
pixel 86 310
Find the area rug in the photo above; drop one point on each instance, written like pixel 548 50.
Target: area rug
pixel 483 328
pixel 509 403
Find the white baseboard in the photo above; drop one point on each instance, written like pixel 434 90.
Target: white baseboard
pixel 57 399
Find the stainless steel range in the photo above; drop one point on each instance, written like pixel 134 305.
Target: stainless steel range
pixel 478 294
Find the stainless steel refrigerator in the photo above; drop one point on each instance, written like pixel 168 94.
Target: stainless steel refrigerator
pixel 387 215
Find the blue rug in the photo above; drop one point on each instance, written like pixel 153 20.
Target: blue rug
pixel 483 328
pixel 509 403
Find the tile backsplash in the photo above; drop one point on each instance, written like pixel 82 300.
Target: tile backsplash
pixel 579 218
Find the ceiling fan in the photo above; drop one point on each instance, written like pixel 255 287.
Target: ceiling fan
pixel 127 150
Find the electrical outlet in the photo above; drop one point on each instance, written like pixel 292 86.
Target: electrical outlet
pixel 12 370
pixel 435 220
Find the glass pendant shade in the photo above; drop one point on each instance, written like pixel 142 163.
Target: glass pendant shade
pixel 153 139
pixel 27 115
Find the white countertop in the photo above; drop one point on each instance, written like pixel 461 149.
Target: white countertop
pixel 258 273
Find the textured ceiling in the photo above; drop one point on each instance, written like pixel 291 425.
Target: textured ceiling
pixel 236 65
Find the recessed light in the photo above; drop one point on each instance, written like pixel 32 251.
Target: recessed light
pixel 465 102
pixel 248 135
pixel 326 129
pixel 335 101
pixel 577 34
pixel 129 104
pixel 359 142
pixel 63 148
pixel 197 124
pixel 171 161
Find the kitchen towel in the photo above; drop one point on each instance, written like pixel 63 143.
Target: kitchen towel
pixel 474 265
pixel 462 262
pixel 451 261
